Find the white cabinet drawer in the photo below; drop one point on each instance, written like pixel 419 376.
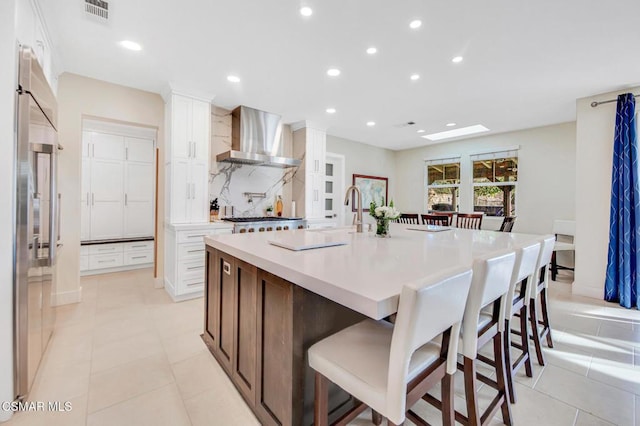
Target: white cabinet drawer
pixel 138 257
pixel 192 236
pixel 138 246
pixel 84 250
pixel 192 270
pixel 105 248
pixel 84 262
pixel 193 285
pixel 193 251
pixel 103 261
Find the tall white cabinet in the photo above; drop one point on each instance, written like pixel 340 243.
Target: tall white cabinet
pixel 117 187
pixel 188 130
pixel 310 142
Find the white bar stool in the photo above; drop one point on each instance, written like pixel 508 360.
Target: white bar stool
pixel 538 298
pixel 564 228
pixel 390 367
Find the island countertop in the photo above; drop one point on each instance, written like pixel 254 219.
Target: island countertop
pixel 368 273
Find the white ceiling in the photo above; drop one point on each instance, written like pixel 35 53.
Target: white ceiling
pixel 525 63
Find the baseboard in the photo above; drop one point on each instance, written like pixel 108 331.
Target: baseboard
pixel 66 297
pixel 593 292
pixel 158 282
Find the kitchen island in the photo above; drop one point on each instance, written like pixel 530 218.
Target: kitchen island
pixel 266 305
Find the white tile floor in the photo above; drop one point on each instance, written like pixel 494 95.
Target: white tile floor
pixel 128 355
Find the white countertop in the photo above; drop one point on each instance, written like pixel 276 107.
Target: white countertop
pixel 367 274
pixel 194 226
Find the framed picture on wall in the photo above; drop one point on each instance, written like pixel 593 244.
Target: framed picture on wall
pixel 373 188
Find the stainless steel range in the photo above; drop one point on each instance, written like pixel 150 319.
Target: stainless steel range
pixel 265 224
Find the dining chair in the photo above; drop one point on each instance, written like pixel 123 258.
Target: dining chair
pixel 435 219
pixel 507 224
pixel 541 327
pixel 564 228
pixel 469 220
pixel 484 322
pixel 409 218
pixel 389 367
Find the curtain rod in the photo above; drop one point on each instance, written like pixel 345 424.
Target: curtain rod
pixel 595 104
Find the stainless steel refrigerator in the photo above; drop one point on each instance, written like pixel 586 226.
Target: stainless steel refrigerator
pixel 36 236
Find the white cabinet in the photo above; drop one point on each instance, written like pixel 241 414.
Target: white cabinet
pixel 185 258
pixel 30 31
pixel 187 169
pixel 118 179
pixel 113 257
pixel 310 143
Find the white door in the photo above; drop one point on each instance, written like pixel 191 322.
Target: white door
pixel 138 205
pixel 181 127
pixel 139 150
pixel 199 192
pixel 106 199
pixel 85 197
pixel 200 125
pixel 107 147
pixel 334 188
pixel 180 191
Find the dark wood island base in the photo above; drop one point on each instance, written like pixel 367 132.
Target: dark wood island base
pixel 258 327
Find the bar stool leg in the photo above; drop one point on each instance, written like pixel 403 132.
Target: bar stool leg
pixel 508 362
pixel 321 403
pixel 448 410
pixel 533 316
pixel 524 340
pixel 376 418
pixel 554 266
pixel 545 316
pixel 471 392
pixel 501 373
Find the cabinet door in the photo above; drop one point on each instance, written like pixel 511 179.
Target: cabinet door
pixel 244 348
pixel 85 200
pixel 180 191
pixel 225 310
pixel 86 144
pixel 139 150
pixel 138 208
pixel 106 199
pixel 199 181
pixel 181 127
pixel 107 147
pixel 315 195
pixel 201 130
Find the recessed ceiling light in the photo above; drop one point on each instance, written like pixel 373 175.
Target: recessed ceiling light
pixel 372 51
pixel 415 24
pixel 371 123
pixel 462 131
pixel 457 59
pixel 420 131
pixel 306 11
pixel 451 124
pixel 331 110
pixel 131 45
pixel 415 77
pixel 333 72
pixel 233 78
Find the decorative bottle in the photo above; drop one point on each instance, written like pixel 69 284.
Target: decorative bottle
pixel 279 206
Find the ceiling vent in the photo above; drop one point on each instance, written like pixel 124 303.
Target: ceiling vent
pixel 97 9
pixel 407 124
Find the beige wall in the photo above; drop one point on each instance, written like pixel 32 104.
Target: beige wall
pixel 594 158
pixel 80 97
pixel 546 174
pixel 364 159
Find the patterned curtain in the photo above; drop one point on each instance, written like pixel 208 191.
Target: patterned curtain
pixel 623 272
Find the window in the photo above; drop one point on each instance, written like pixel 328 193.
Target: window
pixel 443 184
pixel 495 178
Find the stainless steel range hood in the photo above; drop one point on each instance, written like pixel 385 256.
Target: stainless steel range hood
pixel 256 138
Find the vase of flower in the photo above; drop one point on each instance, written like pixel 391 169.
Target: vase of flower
pixel 383 216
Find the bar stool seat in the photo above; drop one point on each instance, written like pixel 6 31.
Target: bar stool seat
pixel 389 367
pixel 357 360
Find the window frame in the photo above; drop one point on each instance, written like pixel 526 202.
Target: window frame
pixel 457 159
pixel 495 155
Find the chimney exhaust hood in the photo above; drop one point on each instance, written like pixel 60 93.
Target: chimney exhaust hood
pixel 256 138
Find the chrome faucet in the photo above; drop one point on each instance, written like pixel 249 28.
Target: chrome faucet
pixel 359 210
